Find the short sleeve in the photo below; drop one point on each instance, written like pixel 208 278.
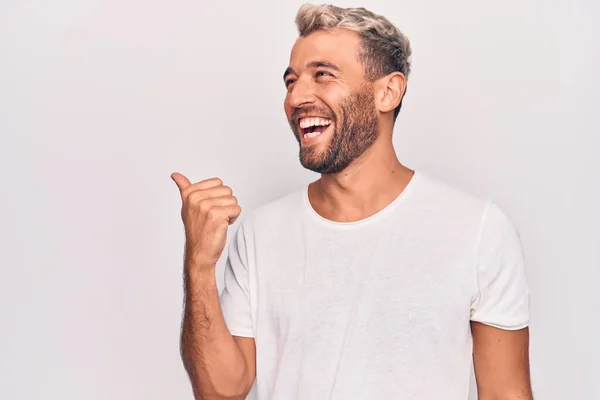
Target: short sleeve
pixel 502 300
pixel 235 297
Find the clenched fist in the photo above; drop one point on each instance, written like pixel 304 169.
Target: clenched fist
pixel 208 208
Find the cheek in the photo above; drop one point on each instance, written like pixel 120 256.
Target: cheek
pixel 332 99
pixel 287 107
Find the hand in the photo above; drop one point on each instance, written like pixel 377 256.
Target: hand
pixel 208 208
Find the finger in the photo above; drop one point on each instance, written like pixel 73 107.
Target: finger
pixel 222 201
pixel 233 212
pixel 203 186
pixel 227 213
pixel 199 196
pixel 180 180
pixel 234 218
pixel 212 206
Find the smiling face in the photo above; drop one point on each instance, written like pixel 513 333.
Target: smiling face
pixel 329 104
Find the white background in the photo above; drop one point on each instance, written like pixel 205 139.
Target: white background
pixel 101 100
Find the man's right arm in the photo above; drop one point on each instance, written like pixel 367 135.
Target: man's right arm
pixel 220 366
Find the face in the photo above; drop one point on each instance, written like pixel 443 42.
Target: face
pixel 329 104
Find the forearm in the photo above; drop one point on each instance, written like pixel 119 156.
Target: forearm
pixel 515 396
pixel 211 357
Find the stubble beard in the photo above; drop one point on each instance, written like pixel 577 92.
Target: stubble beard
pixel 356 127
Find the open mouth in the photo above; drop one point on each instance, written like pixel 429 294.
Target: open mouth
pixel 311 127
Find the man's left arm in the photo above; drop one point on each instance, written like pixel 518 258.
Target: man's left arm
pixel 501 361
pixel 500 312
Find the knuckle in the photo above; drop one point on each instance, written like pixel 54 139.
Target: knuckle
pixel 213 213
pixel 217 181
pixel 195 197
pixel 205 206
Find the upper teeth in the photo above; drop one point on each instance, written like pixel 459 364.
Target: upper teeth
pixel 308 122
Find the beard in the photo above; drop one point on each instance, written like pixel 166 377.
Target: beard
pixel 356 127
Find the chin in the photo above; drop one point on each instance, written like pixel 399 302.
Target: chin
pixel 320 165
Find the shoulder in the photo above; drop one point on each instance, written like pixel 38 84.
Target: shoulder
pixel 439 197
pixel 452 203
pixel 452 206
pixel 279 211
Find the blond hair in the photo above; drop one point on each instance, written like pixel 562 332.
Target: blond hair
pixel 384 48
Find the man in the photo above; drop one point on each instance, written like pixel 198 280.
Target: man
pixel 375 281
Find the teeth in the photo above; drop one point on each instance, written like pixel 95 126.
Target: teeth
pixel 311 135
pixel 314 121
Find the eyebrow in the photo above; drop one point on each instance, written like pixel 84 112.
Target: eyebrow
pixel 287 72
pixel 313 64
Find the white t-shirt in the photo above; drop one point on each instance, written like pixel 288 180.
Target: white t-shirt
pixel 374 309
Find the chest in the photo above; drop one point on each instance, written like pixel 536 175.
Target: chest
pixel 316 286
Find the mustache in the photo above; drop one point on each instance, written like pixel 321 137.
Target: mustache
pixel 297 112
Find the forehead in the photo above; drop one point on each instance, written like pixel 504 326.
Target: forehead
pixel 339 46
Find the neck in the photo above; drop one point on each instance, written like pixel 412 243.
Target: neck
pixel 368 185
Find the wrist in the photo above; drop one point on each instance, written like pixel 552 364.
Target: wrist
pixel 199 282
pixel 200 270
pixel 196 261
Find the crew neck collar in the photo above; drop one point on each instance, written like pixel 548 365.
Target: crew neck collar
pixel 365 221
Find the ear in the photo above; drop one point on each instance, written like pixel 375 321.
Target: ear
pixel 389 91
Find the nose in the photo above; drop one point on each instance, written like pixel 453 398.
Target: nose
pixel 301 94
